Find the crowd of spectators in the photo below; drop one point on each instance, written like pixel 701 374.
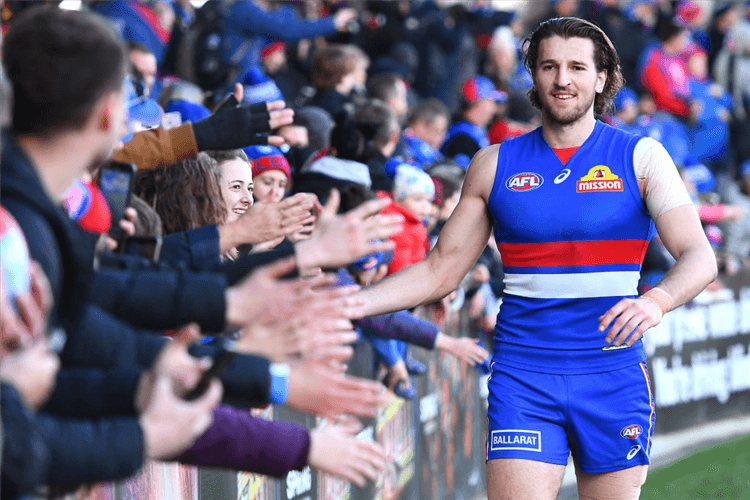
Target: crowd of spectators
pixel 286 153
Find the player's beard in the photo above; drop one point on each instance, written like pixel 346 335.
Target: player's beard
pixel 559 117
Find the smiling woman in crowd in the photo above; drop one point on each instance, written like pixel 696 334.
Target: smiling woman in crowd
pixel 214 188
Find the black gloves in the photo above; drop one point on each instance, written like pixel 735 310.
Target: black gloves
pixel 233 127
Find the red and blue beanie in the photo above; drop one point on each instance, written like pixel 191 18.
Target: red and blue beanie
pixel 87 206
pixel 271 46
pixel 265 158
pixel 479 88
pixel 367 262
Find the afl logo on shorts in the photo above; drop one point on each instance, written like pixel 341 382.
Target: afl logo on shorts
pixel 526 181
pixel 631 431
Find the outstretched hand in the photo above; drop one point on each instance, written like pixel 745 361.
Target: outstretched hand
pixel 335 450
pixel 25 321
pixel 317 387
pixel 170 424
pixel 32 370
pixel 464 348
pixel 278 114
pixel 341 239
pixel 268 221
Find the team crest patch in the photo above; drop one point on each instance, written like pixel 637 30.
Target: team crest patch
pixel 526 181
pixel 600 178
pixel 516 439
pixel 631 431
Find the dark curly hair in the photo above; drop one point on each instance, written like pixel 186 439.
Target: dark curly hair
pixel 185 194
pixel 605 56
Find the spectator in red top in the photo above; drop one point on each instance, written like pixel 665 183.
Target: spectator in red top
pixel 413 192
pixel 665 74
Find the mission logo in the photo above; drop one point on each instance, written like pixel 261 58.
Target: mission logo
pixel 599 178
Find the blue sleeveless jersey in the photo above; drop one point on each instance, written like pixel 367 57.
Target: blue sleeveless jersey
pixel 572 239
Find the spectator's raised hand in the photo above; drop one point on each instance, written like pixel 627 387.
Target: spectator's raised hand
pixel 320 323
pixel 317 387
pixel 463 348
pixel 308 304
pixel 264 296
pixel 341 239
pixel 170 424
pixel 343 17
pixel 264 222
pixel 27 321
pixel 32 370
pixel 234 126
pixel 127 224
pixel 282 341
pixel 335 450
pixel 176 364
pixel 397 374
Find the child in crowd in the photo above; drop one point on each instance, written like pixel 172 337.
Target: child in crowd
pixel 386 332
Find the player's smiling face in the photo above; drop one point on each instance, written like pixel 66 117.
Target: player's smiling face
pixel 566 79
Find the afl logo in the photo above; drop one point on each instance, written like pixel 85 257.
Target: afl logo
pixel 526 181
pixel 631 431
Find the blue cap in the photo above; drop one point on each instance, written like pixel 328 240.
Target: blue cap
pixel 189 111
pixel 480 87
pixel 260 88
pixel 423 154
pixel 624 96
pixel 140 109
pixel 367 262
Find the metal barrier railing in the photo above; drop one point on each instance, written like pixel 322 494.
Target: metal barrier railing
pixel 699 360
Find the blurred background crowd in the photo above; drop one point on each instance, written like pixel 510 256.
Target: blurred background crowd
pixel 252 124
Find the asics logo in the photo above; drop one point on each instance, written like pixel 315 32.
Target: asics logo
pixel 563 175
pixel 635 449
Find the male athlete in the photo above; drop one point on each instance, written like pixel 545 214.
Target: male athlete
pixel 571 205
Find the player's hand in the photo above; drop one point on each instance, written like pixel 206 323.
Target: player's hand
pixel 630 314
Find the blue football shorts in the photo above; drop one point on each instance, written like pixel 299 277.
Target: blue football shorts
pixel 605 419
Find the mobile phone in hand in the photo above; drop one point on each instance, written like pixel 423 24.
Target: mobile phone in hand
pixel 221 360
pixel 116 181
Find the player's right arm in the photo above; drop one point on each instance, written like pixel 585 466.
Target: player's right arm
pixel 459 246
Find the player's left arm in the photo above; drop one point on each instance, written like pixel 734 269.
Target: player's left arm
pixel 680 230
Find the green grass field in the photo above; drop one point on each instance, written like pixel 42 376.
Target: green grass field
pixel 719 472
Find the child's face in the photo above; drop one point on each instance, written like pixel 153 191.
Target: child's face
pixel 629 112
pixel 367 278
pixel 419 204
